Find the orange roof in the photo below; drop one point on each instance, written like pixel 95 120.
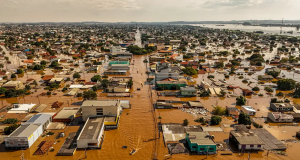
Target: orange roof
pixel 168 79
pixel 174 55
pixel 28 61
pixel 48 77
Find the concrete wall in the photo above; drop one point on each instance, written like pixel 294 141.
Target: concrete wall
pixel 248 147
pixel 107 110
pixel 83 143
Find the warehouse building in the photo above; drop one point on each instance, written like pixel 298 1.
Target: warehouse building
pixel 67 114
pixel 28 133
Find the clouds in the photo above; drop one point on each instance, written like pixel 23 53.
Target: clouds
pixel 145 10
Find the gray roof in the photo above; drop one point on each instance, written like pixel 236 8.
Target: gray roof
pixel 195 104
pixel 283 105
pixel 39 118
pixel 25 130
pixel 188 89
pixel 67 113
pixel 100 103
pixel 92 128
pixel 271 143
pixel 200 138
pixel 247 138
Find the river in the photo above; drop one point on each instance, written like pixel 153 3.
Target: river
pixel 268 30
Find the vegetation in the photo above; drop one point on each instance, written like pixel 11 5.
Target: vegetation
pixel 14 93
pixel 105 83
pixel 10 121
pixel 89 95
pixel 76 75
pixel 268 89
pixel 185 122
pixel 2 90
pixel 220 64
pixel 280 94
pixel 27 87
pixel 274 74
pixel 20 71
pixel 95 88
pixel 240 100
pixel 256 59
pixel 215 120
pixel 256 125
pixel 48 93
pixel 286 84
pixel 210 76
pixel 79 94
pixel 219 111
pixel 204 94
pixel 13 76
pixel 189 71
pixel 140 51
pixel 200 120
pixel 244 119
pixel 54 64
pixel 10 129
pixel 255 89
pixel 130 83
pixel 96 78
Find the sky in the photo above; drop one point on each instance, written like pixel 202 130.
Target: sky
pixel 146 10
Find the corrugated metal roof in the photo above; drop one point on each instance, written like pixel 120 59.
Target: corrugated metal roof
pixel 39 118
pixel 100 103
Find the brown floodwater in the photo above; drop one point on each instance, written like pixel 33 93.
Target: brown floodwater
pixel 137 128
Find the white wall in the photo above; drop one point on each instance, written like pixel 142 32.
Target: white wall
pixel 107 110
pixel 255 147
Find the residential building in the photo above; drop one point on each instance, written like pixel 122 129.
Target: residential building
pixel 100 108
pixel 28 132
pixel 248 110
pixel 246 140
pixel 233 111
pixel 273 69
pixel 279 107
pixel 166 73
pixel 91 134
pixel 188 91
pixel 59 81
pixel 204 85
pixel 278 117
pixel 13 85
pixel 265 77
pixel 201 142
pixel 115 49
pixel 170 84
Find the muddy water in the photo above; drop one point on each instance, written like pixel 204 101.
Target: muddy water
pixel 137 127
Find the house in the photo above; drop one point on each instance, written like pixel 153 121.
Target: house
pixel 248 110
pixel 296 117
pixel 233 111
pixel 67 114
pixel 265 77
pixel 273 69
pixel 279 107
pixel 47 78
pixel 100 108
pixel 166 73
pixel 188 91
pixel 278 117
pixel 27 133
pixel 13 85
pixel 21 108
pixel 246 140
pixel 170 84
pixel 91 134
pixel 59 81
pixel 247 92
pixel 115 49
pixel 113 89
pixel 296 108
pixel 195 104
pixel 201 143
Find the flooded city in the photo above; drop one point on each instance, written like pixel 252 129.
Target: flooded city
pixel 149 90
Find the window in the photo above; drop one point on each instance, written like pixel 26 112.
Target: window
pixel 194 146
pixel 258 146
pixel 252 145
pixel 99 111
pixel 202 149
pixel 211 149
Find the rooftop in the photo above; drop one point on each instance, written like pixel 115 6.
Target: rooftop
pixel 25 130
pixel 67 113
pixel 247 138
pixel 200 138
pixel 278 115
pixel 92 128
pixel 170 82
pixel 100 103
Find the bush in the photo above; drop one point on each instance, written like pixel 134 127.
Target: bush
pixel 200 120
pixel 255 89
pixel 79 95
pixel 226 76
pixel 260 95
pixel 76 75
pixel 268 89
pixel 286 84
pixel 256 125
pixel 244 119
pixel 241 77
pixel 240 100
pixel 219 111
pixel 189 71
pixel 104 76
pixel 13 76
pixel 48 93
pixel 185 122
pixel 215 120
pixel 50 133
pixel 20 71
pixel 96 78
pixel 64 89
pixel 279 94
pixel 10 121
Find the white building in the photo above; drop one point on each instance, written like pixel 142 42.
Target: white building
pixel 28 132
pixel 278 117
pixel 248 110
pixel 204 85
pixel 100 108
pixel 115 49
pixel 91 134
pixel 21 108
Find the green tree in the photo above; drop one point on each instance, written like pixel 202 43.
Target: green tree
pixel 54 64
pixel 10 121
pixel 76 75
pixel 130 83
pixel 1 66
pixel 204 94
pixel 274 74
pixel 89 95
pixel 2 90
pixel 34 83
pixel 185 122
pixel 215 120
pixel 240 100
pixel 189 71
pixel 286 84
pixel 20 71
pixel 244 119
pixel 94 88
pixel 96 78
pixel 37 67
pixel 105 83
pixel 27 87
pixel 43 63
pixel 255 89
pixel 13 76
pixel 10 129
pixel 219 111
